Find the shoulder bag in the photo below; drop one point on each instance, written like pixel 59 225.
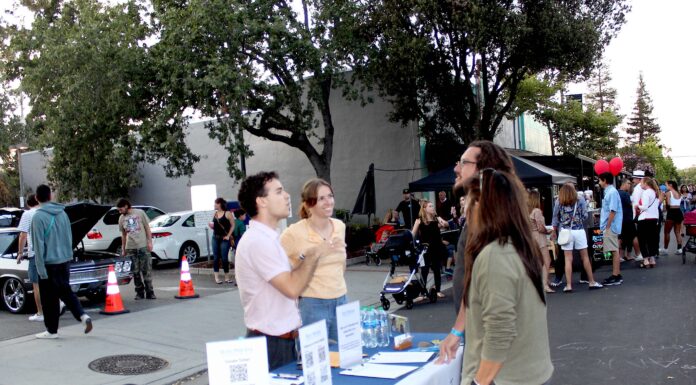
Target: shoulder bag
pixel 564 234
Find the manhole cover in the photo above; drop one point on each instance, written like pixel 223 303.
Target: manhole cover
pixel 128 364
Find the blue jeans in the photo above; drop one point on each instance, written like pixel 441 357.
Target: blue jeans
pixel 317 309
pixel 221 249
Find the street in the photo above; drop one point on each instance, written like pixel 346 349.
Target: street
pixel 166 277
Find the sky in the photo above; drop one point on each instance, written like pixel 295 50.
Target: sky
pixel 657 39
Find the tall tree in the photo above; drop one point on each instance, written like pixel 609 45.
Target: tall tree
pixel 455 66
pixel 85 68
pixel 256 67
pixel 12 133
pixel 642 125
pixel 602 95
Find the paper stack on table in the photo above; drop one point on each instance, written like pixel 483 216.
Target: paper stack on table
pixel 400 357
pixel 379 370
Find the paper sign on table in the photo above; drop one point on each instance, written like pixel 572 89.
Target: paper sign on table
pixel 314 348
pixel 349 334
pixel 238 362
pixel 379 370
pixel 400 357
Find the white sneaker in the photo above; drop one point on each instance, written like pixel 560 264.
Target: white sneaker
pixel 47 336
pixel 36 317
pixel 62 308
pixel 639 258
pixel 663 251
pixel 679 251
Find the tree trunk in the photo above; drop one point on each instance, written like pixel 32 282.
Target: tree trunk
pixel 550 130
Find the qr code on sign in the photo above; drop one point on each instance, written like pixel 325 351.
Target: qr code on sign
pixel 311 379
pixel 238 373
pixel 309 357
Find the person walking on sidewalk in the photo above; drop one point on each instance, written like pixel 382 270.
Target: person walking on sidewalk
pixel 327 289
pixel 507 338
pixel 223 226
pixel 675 216
pixel 539 232
pixel 628 228
pixel 427 230
pixel 136 243
pixel 268 286
pixel 648 229
pixel 51 236
pixel 610 223
pixel 637 176
pixel 24 228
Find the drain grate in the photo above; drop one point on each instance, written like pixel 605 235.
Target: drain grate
pixel 128 364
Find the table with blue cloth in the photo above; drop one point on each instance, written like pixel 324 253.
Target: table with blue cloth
pixel 428 373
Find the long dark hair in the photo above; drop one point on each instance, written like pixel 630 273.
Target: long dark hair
pixel 500 215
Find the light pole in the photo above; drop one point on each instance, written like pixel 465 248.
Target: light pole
pixel 18 148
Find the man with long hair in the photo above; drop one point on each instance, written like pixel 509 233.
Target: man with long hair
pixel 479 155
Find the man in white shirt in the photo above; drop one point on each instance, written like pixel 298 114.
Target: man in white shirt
pixel 24 228
pixel 268 286
pixel 638 176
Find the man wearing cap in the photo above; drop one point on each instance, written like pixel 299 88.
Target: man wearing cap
pixel 638 176
pixel 408 209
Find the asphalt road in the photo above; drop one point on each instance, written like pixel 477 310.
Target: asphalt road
pixel 642 332
pixel 166 282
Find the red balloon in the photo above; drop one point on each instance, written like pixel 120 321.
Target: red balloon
pixel 601 167
pixel 615 166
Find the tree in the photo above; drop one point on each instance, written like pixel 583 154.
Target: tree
pixel 650 158
pixel 601 96
pixel 572 129
pixel 85 68
pixel 455 66
pixel 642 126
pixel 12 133
pixel 256 67
pixel 687 175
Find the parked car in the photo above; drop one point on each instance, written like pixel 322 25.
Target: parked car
pixel 88 269
pixel 105 234
pixel 9 216
pixel 175 235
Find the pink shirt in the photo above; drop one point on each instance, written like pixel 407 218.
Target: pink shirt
pixel 258 260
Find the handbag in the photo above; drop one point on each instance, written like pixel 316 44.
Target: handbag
pixel 564 234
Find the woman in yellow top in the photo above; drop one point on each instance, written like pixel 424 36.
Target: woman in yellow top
pixel 327 288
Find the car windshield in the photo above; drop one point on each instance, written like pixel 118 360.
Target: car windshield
pixel 7 240
pixel 164 221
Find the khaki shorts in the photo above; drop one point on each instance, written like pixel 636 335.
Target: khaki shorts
pixel 611 241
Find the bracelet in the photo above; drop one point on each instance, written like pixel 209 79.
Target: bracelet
pixel 456 333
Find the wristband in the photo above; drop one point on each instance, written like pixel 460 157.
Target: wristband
pixel 456 333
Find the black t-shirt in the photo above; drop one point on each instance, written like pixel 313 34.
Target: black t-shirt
pixel 626 207
pixel 444 209
pixel 408 210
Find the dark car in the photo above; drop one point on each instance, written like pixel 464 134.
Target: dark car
pixel 88 269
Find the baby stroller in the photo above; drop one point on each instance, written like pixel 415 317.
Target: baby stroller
pixel 690 225
pixel 381 236
pixel 405 287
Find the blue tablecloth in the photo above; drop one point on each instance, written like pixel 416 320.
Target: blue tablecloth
pixel 354 380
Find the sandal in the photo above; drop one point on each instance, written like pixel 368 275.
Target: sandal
pixel 567 289
pixel 549 290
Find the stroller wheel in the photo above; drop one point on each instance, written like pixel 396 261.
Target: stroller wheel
pixel 399 301
pixel 409 304
pixel 378 261
pixel 385 304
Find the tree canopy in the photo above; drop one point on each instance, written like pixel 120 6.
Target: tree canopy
pixel 455 66
pixel 642 126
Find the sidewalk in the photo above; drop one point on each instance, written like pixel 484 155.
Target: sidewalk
pixel 176 333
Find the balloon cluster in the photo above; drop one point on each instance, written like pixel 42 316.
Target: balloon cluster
pixel 614 166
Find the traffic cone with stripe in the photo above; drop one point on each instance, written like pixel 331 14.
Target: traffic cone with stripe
pixel 186 290
pixel 114 303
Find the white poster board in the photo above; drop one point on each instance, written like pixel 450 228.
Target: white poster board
pixel 349 334
pixel 203 218
pixel 314 348
pixel 203 197
pixel 238 362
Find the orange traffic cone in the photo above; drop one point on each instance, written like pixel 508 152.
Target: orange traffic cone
pixel 114 304
pixel 185 284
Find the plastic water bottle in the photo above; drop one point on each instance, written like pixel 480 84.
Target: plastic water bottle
pixel 384 328
pixel 364 325
pixel 371 328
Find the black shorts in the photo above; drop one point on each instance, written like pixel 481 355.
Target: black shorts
pixel 675 215
pixel 628 232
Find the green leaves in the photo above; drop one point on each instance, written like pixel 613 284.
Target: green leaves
pixel 642 125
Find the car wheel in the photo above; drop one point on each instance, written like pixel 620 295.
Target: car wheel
pixel 190 251
pixel 14 296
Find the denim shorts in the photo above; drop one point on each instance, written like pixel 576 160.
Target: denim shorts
pixel 32 272
pixel 317 309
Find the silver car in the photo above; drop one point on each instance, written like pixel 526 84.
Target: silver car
pixel 88 269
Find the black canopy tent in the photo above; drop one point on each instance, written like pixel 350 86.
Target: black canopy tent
pixel 531 173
